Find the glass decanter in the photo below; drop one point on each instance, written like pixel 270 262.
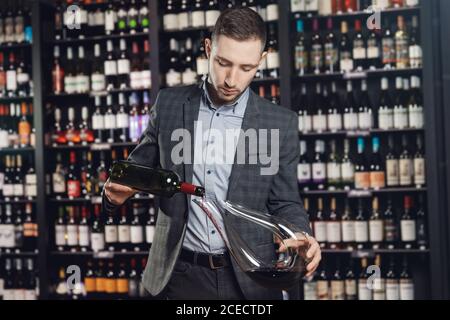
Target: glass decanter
pixel 282 273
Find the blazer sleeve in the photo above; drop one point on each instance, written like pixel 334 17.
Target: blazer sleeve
pixel 147 151
pixel 284 197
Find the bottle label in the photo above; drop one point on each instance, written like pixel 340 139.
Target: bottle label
pixel 183 20
pixel 23 78
pixel 348 231
pixel 70 84
pixel 7 236
pixel 135 79
pixel 317 57
pixel 18 190
pixel 406 290
pixel 319 123
pixel 304 173
pixel 361 231
pixel 189 77
pixel 334 172
pixel 350 288
pixel 98 82
pixel 198 19
pixel 310 290
pixel 146 79
pixel 60 235
pixel 136 234
pixel 123 66
pixel 124 234
pixel 122 285
pixel 30 295
pixel 408 230
pixel 170 22
pixel 320 231
pixel 337 290
pixel 350 121
pixel 211 17
pixel 272 12
pixel 83 235
pixel 110 20
pixel 393 172
pixel 377 180
pixel 388 51
pixel 376 230
pixel 400 117
pixel 11 80
pixel 111 234
pixel 307 123
pixel 82 83
pixel 74 188
pixel 365 120
pixel 322 290
pixel 406 172
pixel 97 241
pixel 419 171
pixel 346 62
pixel 98 122
pixel 364 292
pixel 110 121
pixel 359 50
pixel 72 235
pixel 110 67
pixel 149 234
pixel 362 180
pixel 173 78
pixel 392 290
pixel 331 56
pixel 273 60
pixel 348 171
pixel 335 122
pixel 390 230
pixel 29 179
pixel 111 286
pixel 373 52
pixel 334 232
pixel 319 172
pixel 122 120
pixel 90 285
pixel 386 119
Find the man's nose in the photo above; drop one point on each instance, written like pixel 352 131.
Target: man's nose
pixel 231 78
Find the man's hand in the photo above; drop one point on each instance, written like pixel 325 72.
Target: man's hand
pixel 117 194
pixel 308 245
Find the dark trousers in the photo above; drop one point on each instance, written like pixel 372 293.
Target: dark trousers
pixel 194 282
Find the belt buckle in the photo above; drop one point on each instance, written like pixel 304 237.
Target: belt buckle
pixel 211 263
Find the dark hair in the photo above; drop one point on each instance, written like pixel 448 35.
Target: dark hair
pixel 240 24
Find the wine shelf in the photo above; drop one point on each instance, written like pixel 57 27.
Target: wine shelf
pixel 100 254
pixel 93 94
pixel 358 133
pixel 358 75
pixel 360 14
pixel 101 38
pixel 96 200
pixel 18 149
pixel 15 99
pixel 94 146
pixel 21 201
pixel 12 46
pixel 361 193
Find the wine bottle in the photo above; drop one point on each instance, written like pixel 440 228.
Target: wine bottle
pixel 377 173
pixel 319 167
pixel 331 50
pixel 304 168
pixel 319 225
pixel 348 227
pixel 361 227
pixel 334 227
pixel 155 181
pixel 376 227
pixel 391 233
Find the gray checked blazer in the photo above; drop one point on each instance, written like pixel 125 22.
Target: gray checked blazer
pixel 278 194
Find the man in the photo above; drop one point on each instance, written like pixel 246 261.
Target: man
pixel 188 258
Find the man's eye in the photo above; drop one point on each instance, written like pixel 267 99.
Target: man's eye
pixel 223 64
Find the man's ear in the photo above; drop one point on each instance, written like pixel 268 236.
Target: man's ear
pixel 208 47
pixel 263 56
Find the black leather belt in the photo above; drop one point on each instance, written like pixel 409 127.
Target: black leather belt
pixel 212 261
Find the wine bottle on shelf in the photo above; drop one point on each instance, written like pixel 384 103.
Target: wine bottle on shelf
pixel 334 176
pixel 347 168
pixel 331 50
pixel 376 227
pixel 408 224
pixel 97 232
pixel 350 112
pixel 319 225
pixel 379 283
pixel 334 226
pixel 83 230
pixel 348 227
pixel 337 283
pixel 365 112
pixel 319 120
pixel 136 229
pixel 273 57
pixel 317 51
pixel 124 237
pixel 150 226
pixel 359 48
pixel 362 170
pixel 406 164
pixel 110 67
pixel 373 50
pixel 406 282
pixel 421 225
pixel 377 172
pixel 351 285
pixel 415 106
pixel 400 108
pixel 305 113
pixel 401 44
pixel 419 164
pixel 60 230
pixel 392 282
pixel 334 117
pixel 304 168
pixel 361 227
pixel 301 50
pixel 364 293
pixel 70 80
pixel 391 233
pixel 123 66
pixel 388 44
pixel 346 62
pixel 319 167
pixel 415 49
pixel 98 81
pixel 323 290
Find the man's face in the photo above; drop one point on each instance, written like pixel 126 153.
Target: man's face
pixel 232 66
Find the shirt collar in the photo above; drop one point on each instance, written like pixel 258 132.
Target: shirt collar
pixel 238 106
